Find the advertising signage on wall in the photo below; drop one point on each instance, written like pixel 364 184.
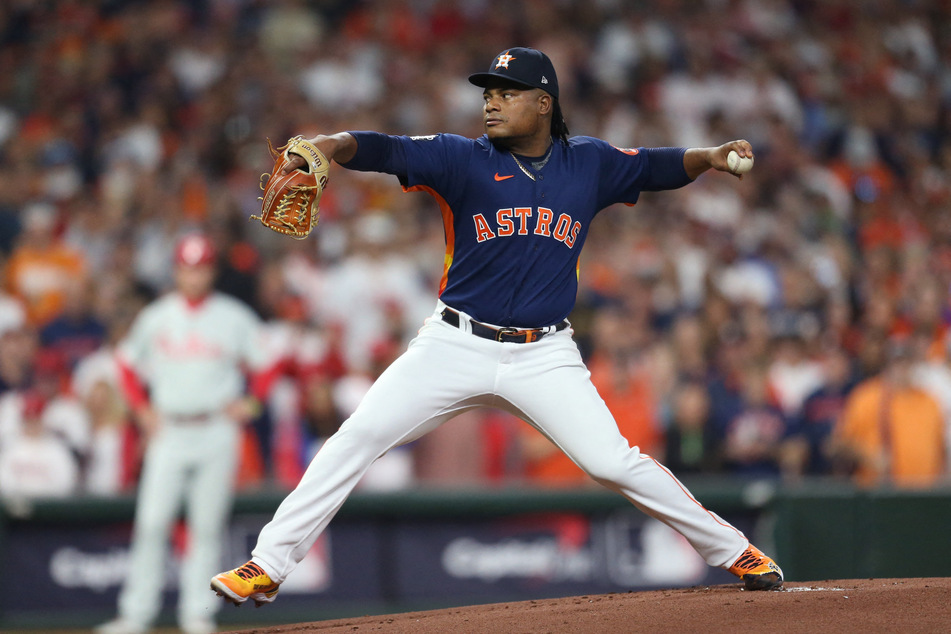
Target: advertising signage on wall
pixel 409 561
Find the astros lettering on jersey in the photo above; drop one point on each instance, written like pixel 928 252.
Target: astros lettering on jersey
pixel 509 260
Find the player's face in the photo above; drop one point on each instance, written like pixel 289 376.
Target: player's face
pixel 512 114
pixel 194 282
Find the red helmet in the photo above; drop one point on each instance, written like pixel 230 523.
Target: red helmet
pixel 195 249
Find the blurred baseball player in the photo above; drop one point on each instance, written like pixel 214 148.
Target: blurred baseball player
pixel 192 348
pixel 516 204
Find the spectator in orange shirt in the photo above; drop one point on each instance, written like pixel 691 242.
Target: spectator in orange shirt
pixel 41 267
pixel 892 432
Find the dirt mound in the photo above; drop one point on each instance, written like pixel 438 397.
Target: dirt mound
pixel 863 605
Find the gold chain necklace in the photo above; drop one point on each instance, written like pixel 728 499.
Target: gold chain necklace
pixel 543 162
pixel 522 167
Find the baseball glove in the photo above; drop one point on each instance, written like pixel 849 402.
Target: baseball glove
pixel 290 204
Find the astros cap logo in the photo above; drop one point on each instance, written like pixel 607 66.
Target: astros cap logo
pixel 504 60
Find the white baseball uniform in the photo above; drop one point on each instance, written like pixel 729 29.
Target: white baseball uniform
pixel 192 357
pixel 445 371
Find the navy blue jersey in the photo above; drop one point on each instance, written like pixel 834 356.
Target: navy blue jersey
pixel 512 243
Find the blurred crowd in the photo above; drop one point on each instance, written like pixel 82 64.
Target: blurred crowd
pixel 790 324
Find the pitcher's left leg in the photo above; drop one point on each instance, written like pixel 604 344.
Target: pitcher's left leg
pixel 550 386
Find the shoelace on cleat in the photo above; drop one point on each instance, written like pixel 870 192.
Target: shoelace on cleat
pixel 249 570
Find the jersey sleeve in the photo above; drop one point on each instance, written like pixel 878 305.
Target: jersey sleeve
pixel 253 352
pixel 429 161
pixel 261 362
pixel 132 358
pixel 131 384
pixel 133 350
pixel 377 152
pixel 625 172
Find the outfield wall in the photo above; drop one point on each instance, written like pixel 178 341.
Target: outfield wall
pixel 426 549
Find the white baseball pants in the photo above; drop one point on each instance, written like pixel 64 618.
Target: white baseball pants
pixel 447 370
pixel 192 464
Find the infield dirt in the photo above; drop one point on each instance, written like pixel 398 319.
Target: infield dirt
pixel 855 605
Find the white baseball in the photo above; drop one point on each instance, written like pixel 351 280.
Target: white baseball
pixel 737 164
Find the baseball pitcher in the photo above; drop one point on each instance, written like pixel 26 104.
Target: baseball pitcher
pixel 516 204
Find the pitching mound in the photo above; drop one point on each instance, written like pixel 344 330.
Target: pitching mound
pixel 865 605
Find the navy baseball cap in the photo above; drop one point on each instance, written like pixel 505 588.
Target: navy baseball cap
pixel 525 66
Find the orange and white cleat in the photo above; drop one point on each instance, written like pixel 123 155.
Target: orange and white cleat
pixel 245 582
pixel 757 571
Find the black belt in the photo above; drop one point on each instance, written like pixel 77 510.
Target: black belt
pixel 506 335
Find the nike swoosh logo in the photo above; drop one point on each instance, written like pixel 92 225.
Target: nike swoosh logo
pixel 502 178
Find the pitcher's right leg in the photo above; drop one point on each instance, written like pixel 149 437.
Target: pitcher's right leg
pixel 442 373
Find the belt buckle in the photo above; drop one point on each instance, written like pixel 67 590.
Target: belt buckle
pixel 530 336
pixel 502 332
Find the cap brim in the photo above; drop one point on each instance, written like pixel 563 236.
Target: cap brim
pixel 482 79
